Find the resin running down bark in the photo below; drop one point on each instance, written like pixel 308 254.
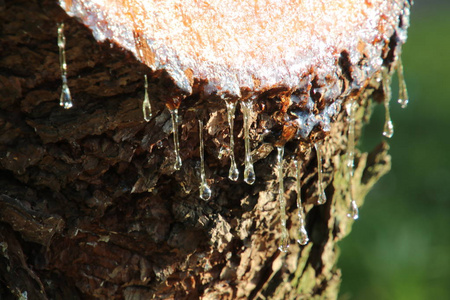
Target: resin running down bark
pixel 249 172
pixel 388 129
pixel 403 98
pixel 205 190
pixel 302 238
pixel 65 99
pixel 103 201
pixel 351 110
pixel 146 105
pixel 233 174
pixel 284 243
pixel 176 142
pixel 320 189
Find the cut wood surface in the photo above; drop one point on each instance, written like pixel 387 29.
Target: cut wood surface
pixel 91 205
pixel 246 45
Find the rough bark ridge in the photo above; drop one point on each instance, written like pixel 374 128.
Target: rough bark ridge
pixel 91 207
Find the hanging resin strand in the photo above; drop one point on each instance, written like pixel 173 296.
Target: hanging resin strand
pixel 302 238
pixel 351 107
pixel 249 172
pixel 322 197
pixel 66 99
pixel 205 191
pixel 146 105
pixel 284 242
pixel 176 144
pixel 388 130
pixel 233 174
pixel 402 91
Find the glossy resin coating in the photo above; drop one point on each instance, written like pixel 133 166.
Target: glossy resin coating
pixel 232 46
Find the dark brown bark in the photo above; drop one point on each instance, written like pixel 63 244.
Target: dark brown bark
pixel 91 207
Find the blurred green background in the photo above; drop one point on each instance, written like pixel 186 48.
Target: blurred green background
pixel 400 246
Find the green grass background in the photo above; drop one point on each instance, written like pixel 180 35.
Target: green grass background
pixel 400 246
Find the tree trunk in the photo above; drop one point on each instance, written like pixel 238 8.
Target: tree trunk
pixel 92 207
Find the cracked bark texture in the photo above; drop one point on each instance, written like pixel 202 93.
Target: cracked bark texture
pixel 91 207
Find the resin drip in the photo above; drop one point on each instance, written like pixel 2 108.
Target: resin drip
pixel 205 191
pixel 249 172
pixel 302 238
pixel 66 99
pixel 284 242
pixel 402 91
pixel 146 105
pixel 322 197
pixel 176 143
pixel 233 174
pixel 388 130
pixel 351 109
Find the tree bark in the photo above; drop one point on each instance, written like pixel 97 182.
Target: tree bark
pixel 90 203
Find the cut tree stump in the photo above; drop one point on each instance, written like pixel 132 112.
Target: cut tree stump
pixel 91 205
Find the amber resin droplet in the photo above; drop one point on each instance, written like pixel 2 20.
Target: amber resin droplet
pixel 388 130
pixel 233 174
pixel 284 242
pixel 322 197
pixel 249 172
pixel 65 99
pixel 402 90
pixel 205 190
pixel 302 238
pixel 176 143
pixel 146 105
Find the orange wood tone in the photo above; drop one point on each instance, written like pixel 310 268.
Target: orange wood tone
pixel 236 45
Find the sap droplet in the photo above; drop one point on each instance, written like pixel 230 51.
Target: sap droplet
pixel 322 197
pixel 249 172
pixel 146 105
pixel 353 211
pixel 249 175
pixel 174 117
pixel 388 130
pixel 205 191
pixel 66 99
pixel 402 90
pixel 302 238
pixel 284 242
pixel 233 174
pixel 23 296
